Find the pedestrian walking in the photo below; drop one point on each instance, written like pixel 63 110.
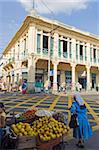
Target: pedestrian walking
pixel 83 130
pixel 2 120
pixel 24 87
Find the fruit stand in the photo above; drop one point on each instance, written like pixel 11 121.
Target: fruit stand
pixel 42 131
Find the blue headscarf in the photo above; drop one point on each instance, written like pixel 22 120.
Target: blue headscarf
pixel 79 99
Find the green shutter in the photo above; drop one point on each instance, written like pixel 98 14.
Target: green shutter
pixel 70 50
pixel 85 54
pixel 91 54
pixel 52 46
pixel 38 43
pixel 59 49
pixel 77 51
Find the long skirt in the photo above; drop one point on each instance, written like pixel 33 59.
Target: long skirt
pixel 23 91
pixel 84 131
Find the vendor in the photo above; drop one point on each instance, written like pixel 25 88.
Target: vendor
pixel 2 120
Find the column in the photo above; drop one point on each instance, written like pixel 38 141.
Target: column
pixel 62 77
pixel 41 43
pixel 96 56
pixel 79 52
pixel 68 50
pixel 73 76
pixel 92 56
pixel 73 50
pixel 88 78
pixel 88 53
pixel 83 53
pixel 31 72
pixel 56 38
pixel 55 64
pixel 61 46
pixel 31 39
pixel 97 78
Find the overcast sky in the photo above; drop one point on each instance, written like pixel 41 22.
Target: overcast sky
pixel 83 14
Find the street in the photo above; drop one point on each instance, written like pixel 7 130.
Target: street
pixel 18 103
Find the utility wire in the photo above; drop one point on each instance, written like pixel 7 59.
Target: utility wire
pixel 52 12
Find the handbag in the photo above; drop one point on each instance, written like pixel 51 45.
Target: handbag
pixel 73 121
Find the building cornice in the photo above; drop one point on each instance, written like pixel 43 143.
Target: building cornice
pixel 38 20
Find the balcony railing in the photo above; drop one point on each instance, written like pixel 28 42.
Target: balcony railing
pixel 59 54
pixel 51 52
pixel 24 57
pixel 45 51
pixel 77 57
pixel 38 50
pixel 94 60
pixel 11 60
pixel 85 58
pixel 91 59
pixel 65 55
pixel 81 57
pixel 70 56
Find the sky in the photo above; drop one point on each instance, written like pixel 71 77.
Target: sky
pixel 82 14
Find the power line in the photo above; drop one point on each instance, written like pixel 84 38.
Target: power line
pixel 48 8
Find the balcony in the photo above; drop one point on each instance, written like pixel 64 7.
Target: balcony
pixel 94 60
pixel 81 57
pixel 38 50
pixel 65 55
pixel 24 56
pixel 77 57
pixel 70 56
pixel 85 58
pixel 9 63
pixel 45 51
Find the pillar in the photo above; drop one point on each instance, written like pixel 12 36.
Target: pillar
pixel 73 76
pixel 88 53
pixel 62 77
pixel 97 78
pixel 31 39
pixel 56 38
pixel 68 50
pixel 55 64
pixel 83 53
pixel 31 72
pixel 73 49
pixel 78 51
pixel 88 78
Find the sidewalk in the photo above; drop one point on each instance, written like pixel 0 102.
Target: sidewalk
pixel 91 144
pixel 82 93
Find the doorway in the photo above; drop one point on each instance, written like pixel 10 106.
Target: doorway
pixel 82 81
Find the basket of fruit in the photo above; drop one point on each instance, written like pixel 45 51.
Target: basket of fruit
pixel 28 116
pixel 25 136
pixel 49 132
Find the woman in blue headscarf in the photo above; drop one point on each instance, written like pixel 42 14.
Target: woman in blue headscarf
pixel 83 131
pixel 24 87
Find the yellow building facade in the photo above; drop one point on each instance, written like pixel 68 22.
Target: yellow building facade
pixel 73 55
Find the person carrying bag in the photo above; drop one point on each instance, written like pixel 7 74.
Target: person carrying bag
pixel 73 121
pixel 79 121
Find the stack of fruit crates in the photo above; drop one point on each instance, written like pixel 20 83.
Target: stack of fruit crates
pixel 25 142
pixel 49 144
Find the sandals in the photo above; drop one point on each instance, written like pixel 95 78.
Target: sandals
pixel 80 145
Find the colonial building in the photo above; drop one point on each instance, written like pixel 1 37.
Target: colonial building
pixel 43 49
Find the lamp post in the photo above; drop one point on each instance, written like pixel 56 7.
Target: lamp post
pixel 49 48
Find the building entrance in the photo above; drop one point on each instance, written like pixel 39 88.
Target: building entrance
pixel 93 80
pixel 82 81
